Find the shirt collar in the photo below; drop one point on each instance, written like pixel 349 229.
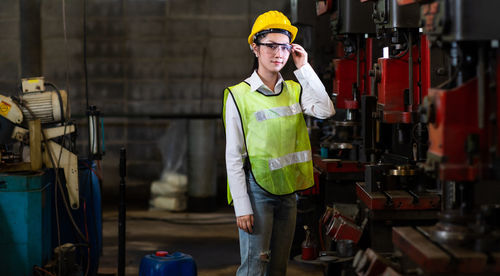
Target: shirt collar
pixel 256 83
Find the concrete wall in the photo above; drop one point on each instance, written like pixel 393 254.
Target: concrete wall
pixel 10 46
pixel 145 57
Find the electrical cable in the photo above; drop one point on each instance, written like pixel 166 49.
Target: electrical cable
pixel 55 187
pixel 85 66
pixel 402 54
pixel 455 73
pixel 92 125
pixel 63 8
pixel 58 226
pixel 87 235
pixel 58 181
pixel 99 176
pixel 46 272
pixel 63 116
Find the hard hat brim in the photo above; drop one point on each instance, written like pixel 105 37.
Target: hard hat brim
pixel 292 29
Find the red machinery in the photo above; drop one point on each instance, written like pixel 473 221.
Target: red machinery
pixel 396 102
pixel 395 190
pixel 462 116
pixel 454 134
pixel 342 151
pixel 352 28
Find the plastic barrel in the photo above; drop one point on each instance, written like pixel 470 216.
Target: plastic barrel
pixel 162 263
pixel 25 222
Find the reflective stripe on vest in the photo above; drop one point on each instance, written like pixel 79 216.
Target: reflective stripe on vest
pixel 276 137
pixel 289 159
pixel 276 112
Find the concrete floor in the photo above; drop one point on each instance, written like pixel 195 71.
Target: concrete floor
pixel 211 238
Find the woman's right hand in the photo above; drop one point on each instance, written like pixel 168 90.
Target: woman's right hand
pixel 245 223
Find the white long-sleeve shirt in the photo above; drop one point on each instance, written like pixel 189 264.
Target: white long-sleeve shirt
pixel 315 102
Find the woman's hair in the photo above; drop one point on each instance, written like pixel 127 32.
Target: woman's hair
pixel 255 64
pixel 263 34
pixel 256 40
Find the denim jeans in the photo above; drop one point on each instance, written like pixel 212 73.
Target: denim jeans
pixel 266 250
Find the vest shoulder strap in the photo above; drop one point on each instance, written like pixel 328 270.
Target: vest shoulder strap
pixel 295 88
pixel 240 87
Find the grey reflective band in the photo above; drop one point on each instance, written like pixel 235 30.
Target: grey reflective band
pixel 289 159
pixel 277 112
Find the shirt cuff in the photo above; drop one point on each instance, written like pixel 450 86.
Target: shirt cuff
pixel 303 72
pixel 242 206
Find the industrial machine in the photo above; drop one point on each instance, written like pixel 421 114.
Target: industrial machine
pixel 343 151
pixel 30 126
pixel 420 124
pixel 40 211
pixel 353 32
pixel 395 190
pixel 462 117
pixel 376 140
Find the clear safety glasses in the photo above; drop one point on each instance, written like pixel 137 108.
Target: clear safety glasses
pixel 274 47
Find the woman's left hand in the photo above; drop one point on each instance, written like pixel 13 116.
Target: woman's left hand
pixel 299 55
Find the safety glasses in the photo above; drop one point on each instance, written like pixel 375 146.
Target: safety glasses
pixel 274 47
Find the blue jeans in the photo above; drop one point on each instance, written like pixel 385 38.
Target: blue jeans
pixel 266 250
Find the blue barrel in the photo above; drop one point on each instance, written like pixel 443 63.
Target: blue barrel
pixel 163 263
pixel 25 222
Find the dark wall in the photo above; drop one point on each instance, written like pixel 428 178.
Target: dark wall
pixel 10 46
pixel 155 57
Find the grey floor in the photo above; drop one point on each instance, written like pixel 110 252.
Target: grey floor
pixel 211 238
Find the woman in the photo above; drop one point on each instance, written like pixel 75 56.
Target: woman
pixel 268 154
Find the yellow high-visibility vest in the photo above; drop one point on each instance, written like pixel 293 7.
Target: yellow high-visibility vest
pixel 276 137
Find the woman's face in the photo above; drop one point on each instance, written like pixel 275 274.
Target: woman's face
pixel 272 51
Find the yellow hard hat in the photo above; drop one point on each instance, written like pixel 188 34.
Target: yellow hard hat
pixel 272 20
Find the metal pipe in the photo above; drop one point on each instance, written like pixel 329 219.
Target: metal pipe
pixel 358 73
pixel 410 69
pixel 480 87
pixel 122 214
pixel 368 64
pixel 419 44
pixel 94 126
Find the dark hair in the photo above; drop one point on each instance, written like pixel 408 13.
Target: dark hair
pixel 261 35
pixel 265 32
pixel 255 64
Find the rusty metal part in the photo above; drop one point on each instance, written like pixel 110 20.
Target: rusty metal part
pixel 444 249
pixel 453 227
pixel 335 146
pixel 341 228
pixel 346 123
pixel 389 271
pixel 345 248
pixel 401 200
pixel 433 259
pixel 404 170
pixel 451 233
pixel 389 203
pixel 371 263
pixel 414 195
pixel 357 258
pixel 337 165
